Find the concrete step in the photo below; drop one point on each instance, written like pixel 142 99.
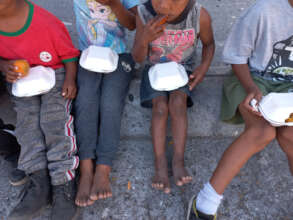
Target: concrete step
pixel 260 191
pixel 203 117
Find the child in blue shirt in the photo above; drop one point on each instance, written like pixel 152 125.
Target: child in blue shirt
pixel 100 100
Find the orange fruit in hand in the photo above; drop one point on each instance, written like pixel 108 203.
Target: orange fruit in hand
pixel 21 66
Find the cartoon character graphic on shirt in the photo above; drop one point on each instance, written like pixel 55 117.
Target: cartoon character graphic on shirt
pixel 281 62
pixel 102 27
pixel 172 46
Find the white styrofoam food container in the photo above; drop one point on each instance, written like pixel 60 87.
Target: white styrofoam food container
pixel 276 108
pixel 99 59
pixel 39 80
pixel 167 76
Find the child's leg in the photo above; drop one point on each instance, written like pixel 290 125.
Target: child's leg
pixel 87 107
pixel 257 135
pixel 57 125
pixel 33 159
pixel 114 89
pixel 29 134
pixel 285 139
pixel 159 125
pixel 178 112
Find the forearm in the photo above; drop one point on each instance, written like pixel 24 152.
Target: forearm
pixel 242 72
pixel 139 50
pixel 208 52
pixel 124 16
pixel 71 70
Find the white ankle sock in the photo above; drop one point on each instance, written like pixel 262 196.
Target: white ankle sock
pixel 208 200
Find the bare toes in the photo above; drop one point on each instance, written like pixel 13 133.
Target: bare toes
pixel 90 202
pixel 179 183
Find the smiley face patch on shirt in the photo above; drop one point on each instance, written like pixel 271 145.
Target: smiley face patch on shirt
pixel 45 56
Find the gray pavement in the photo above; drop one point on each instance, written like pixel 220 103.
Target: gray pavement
pixel 262 191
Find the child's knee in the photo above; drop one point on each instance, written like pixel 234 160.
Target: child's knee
pixel 285 134
pixel 160 109
pixel 262 135
pixel 177 104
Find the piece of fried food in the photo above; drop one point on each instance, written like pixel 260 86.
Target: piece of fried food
pixel 163 20
pixel 291 115
pixel 289 120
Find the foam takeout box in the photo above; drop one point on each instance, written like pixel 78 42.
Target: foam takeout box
pixel 39 80
pixel 167 76
pixel 99 59
pixel 276 108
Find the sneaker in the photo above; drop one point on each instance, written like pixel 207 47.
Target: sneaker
pixel 17 177
pixel 194 214
pixel 35 197
pixel 63 206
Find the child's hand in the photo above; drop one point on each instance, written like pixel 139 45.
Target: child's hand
pixel 253 93
pixel 8 69
pixel 153 29
pixel 69 89
pixel 197 76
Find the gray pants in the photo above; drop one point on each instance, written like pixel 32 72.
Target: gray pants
pixel 99 106
pixel 45 133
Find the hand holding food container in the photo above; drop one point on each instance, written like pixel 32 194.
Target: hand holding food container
pixel 276 108
pixel 99 59
pixel 167 76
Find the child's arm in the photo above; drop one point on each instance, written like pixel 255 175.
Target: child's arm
pixel 144 35
pixel 69 89
pixel 208 50
pixel 124 16
pixel 7 69
pixel 242 72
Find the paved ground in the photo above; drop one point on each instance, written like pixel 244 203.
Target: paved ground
pixel 262 191
pixel 259 192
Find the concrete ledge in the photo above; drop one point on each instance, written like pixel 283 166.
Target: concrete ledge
pixel 203 117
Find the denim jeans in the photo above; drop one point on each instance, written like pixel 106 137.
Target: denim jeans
pixel 98 110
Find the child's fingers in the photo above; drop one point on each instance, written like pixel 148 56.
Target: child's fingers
pixel 247 105
pixel 10 80
pixel 64 92
pixel 159 29
pixel 154 21
pixel 194 80
pixel 12 76
pixel 159 20
pixel 72 93
pixel 11 73
pixel 11 67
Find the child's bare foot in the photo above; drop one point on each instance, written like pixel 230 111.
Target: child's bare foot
pixel 101 188
pixel 181 175
pixel 85 183
pixel 161 179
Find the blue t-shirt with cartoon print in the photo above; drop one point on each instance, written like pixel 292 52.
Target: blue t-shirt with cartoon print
pixel 97 25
